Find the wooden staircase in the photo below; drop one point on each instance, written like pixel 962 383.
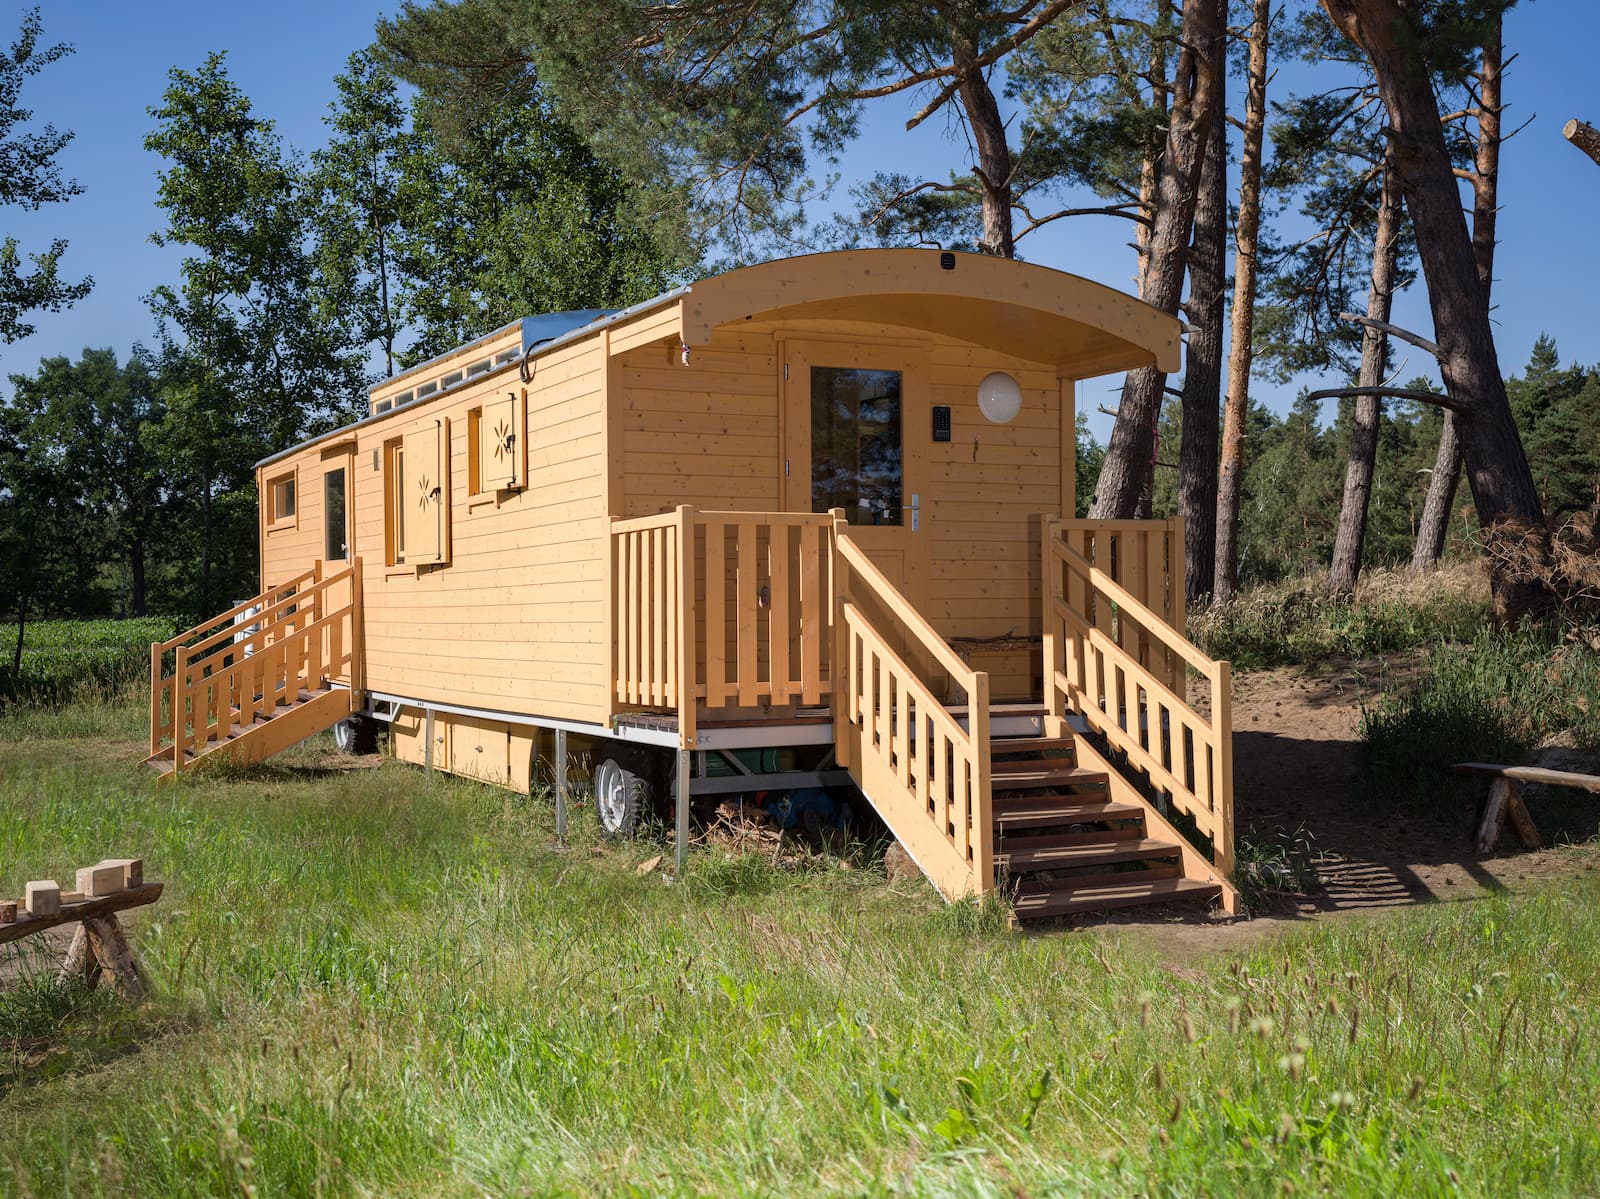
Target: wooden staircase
pixel 260 677
pixel 1064 846
pixel 1071 822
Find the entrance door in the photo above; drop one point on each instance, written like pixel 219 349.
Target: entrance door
pixel 338 529
pixel 851 416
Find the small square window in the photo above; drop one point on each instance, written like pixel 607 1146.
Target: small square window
pixel 281 501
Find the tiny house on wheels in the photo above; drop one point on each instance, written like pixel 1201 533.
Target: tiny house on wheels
pixel 801 524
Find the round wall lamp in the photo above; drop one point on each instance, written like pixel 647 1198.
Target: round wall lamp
pixel 999 398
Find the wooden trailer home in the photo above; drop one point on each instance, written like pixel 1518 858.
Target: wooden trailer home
pixel 798 524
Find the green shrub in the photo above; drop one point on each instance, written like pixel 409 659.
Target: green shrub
pixel 1491 699
pixel 65 659
pixel 1299 622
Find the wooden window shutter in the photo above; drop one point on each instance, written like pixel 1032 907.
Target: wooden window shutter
pixel 427 498
pixel 501 436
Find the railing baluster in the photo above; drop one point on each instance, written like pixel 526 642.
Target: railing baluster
pixel 778 631
pixel 716 613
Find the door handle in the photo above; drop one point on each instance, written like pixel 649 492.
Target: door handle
pixel 915 508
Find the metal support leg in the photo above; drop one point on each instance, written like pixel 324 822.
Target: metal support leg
pixel 681 799
pixel 427 752
pixel 561 786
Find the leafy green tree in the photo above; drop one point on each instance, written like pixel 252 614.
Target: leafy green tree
pixel 509 213
pixel 31 179
pixel 357 180
pixel 249 359
pixel 95 419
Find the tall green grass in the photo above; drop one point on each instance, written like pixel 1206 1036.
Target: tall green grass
pixel 1491 698
pixel 364 985
pixel 1297 621
pixel 77 659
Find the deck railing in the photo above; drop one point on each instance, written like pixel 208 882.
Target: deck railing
pixel 245 662
pixel 727 608
pixel 1144 557
pixel 926 774
pixel 1106 658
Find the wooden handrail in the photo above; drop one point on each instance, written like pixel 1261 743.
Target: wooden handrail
pixel 1091 669
pixel 1130 603
pixel 915 623
pixel 927 776
pixel 236 610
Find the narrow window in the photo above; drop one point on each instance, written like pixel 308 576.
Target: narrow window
pixel 333 508
pixel 855 444
pixel 394 496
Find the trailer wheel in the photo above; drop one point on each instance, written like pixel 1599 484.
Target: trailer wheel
pixel 619 796
pixel 356 735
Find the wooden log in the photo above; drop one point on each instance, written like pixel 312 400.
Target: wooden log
pixel 80 961
pixel 1527 831
pixel 1584 136
pixel 112 952
pixel 132 897
pixel 8 911
pixel 1494 815
pixel 42 897
pixel 1532 774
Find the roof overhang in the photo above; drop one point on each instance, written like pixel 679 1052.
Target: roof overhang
pixel 1081 327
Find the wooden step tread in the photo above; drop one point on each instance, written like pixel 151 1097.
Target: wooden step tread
pixel 1004 766
pixel 1042 902
pixel 1055 853
pixel 1030 745
pixel 1047 774
pixel 1041 811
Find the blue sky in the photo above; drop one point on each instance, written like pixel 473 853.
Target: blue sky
pixel 284 57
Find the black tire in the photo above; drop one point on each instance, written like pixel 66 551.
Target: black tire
pixel 356 735
pixel 620 796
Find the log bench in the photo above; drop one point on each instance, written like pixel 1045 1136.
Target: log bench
pixel 1505 799
pixel 99 946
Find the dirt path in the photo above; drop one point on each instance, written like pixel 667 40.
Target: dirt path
pixel 1297 760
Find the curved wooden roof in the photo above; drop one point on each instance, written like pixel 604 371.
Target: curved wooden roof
pixel 1082 327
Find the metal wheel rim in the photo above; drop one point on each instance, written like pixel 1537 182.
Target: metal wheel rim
pixel 344 736
pixel 610 795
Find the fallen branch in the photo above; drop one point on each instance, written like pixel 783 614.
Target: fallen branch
pixel 1437 399
pixel 1584 136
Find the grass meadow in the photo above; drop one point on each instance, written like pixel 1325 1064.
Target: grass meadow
pixel 367 985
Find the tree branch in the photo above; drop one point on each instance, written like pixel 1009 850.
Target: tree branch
pixel 1438 399
pixel 1415 339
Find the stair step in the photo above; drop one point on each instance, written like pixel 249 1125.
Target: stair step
pixel 1030 745
pixel 1042 901
pixel 1043 811
pixel 1047 774
pixel 1020 854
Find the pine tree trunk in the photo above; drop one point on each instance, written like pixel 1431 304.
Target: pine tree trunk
pixel 1435 522
pixel 1202 375
pixel 994 153
pixel 1230 483
pixel 1350 538
pixel 1126 474
pixel 1497 469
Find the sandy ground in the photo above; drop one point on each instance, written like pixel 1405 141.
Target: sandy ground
pixel 1296 764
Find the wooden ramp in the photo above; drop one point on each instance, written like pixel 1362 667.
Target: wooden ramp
pixel 260 677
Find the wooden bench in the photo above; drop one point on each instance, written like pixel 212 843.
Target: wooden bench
pixel 99 947
pixel 1505 799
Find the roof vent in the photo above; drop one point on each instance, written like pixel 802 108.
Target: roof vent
pixel 947 261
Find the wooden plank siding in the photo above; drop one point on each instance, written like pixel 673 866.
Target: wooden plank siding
pixel 711 434
pixel 516 621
